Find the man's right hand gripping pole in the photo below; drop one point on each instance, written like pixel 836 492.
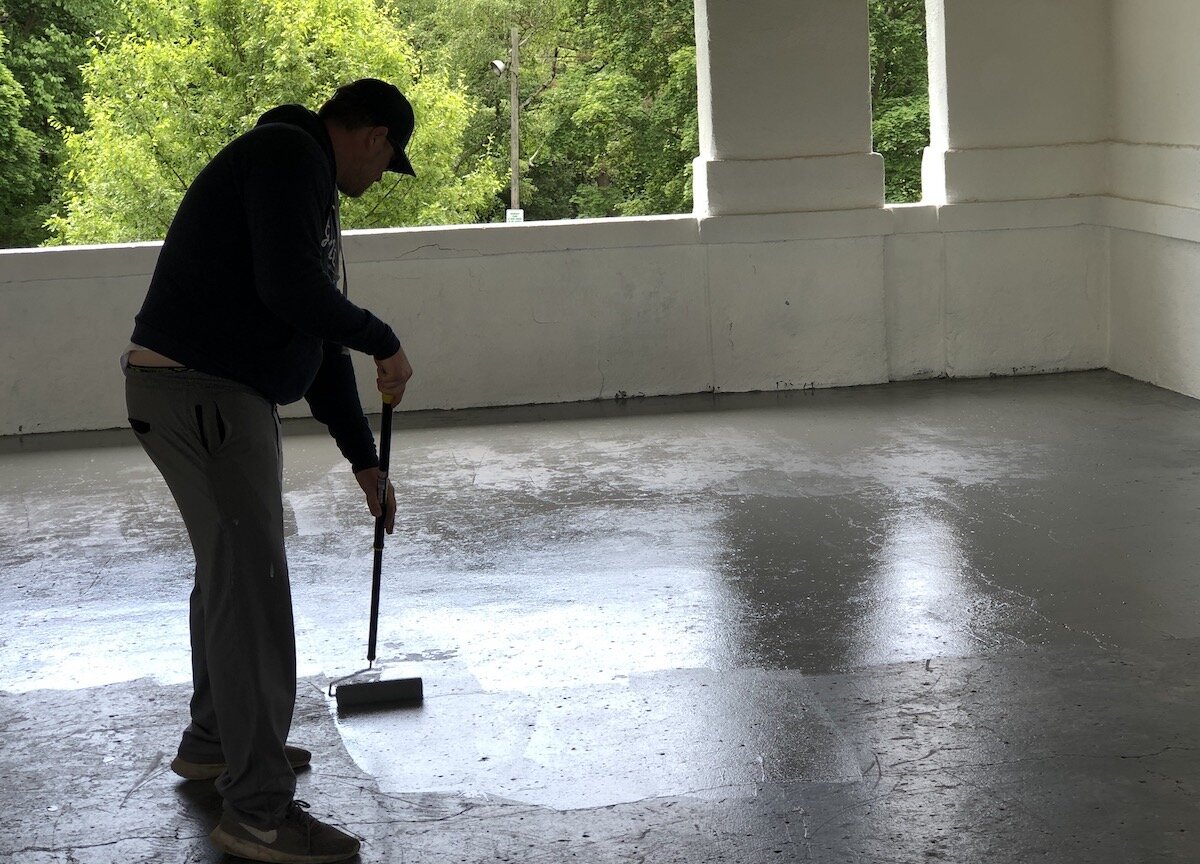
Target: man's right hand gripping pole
pixel 392 374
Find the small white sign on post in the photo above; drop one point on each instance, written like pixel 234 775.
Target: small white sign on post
pixel 514 215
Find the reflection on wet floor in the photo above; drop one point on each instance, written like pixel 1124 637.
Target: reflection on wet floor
pixel 693 732
pixel 744 599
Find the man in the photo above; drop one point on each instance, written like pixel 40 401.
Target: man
pixel 244 313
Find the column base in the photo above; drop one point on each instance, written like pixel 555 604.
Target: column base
pixel 740 187
pixel 1014 173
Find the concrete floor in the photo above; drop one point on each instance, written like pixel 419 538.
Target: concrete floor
pixel 938 621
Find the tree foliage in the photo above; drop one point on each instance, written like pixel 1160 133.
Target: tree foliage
pixel 900 93
pixel 607 98
pixel 43 44
pixel 625 118
pixel 18 153
pixel 463 37
pixel 108 108
pixel 187 77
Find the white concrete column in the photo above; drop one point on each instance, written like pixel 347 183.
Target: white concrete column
pixel 1019 99
pixel 1155 155
pixel 785 107
pixel 1154 160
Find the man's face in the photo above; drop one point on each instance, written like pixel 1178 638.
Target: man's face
pixel 371 154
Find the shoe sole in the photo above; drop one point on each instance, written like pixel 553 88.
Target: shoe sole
pixel 211 771
pixel 231 845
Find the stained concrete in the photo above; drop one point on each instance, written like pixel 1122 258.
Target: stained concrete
pixel 946 620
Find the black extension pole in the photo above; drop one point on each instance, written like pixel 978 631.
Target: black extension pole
pixel 385 448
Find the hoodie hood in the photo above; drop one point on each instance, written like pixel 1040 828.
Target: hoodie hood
pixel 298 115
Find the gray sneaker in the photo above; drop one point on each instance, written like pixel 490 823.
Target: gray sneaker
pixel 299 839
pixel 297 757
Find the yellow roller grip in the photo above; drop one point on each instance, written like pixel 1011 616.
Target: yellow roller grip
pixel 387 398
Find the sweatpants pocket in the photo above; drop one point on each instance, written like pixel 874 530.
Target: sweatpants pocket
pixel 211 427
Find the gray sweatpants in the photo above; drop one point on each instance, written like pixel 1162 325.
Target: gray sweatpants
pixel 217 445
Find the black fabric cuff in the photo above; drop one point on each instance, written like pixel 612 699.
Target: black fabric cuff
pixel 391 347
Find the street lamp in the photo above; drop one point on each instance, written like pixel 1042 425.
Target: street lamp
pixel 499 67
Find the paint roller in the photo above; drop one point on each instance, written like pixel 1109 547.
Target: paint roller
pixel 366 695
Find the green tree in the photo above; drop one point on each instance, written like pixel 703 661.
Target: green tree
pixel 623 125
pixel 47 41
pixel 900 93
pixel 190 76
pixel 607 96
pixel 463 37
pixel 18 154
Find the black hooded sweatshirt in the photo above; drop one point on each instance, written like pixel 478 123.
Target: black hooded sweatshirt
pixel 246 284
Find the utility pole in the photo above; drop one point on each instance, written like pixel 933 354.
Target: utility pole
pixel 514 97
pixel 513 69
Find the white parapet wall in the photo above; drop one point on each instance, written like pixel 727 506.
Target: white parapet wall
pixel 1155 294
pixel 603 309
pixel 1060 231
pixel 998 289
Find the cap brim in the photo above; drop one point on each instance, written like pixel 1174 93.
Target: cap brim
pixel 400 163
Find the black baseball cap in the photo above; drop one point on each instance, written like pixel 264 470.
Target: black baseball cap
pixel 383 105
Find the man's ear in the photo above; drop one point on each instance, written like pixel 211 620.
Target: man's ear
pixel 364 136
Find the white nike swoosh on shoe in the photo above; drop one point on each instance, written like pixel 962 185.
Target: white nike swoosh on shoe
pixel 262 836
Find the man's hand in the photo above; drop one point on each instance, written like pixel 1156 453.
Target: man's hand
pixel 369 479
pixel 392 374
